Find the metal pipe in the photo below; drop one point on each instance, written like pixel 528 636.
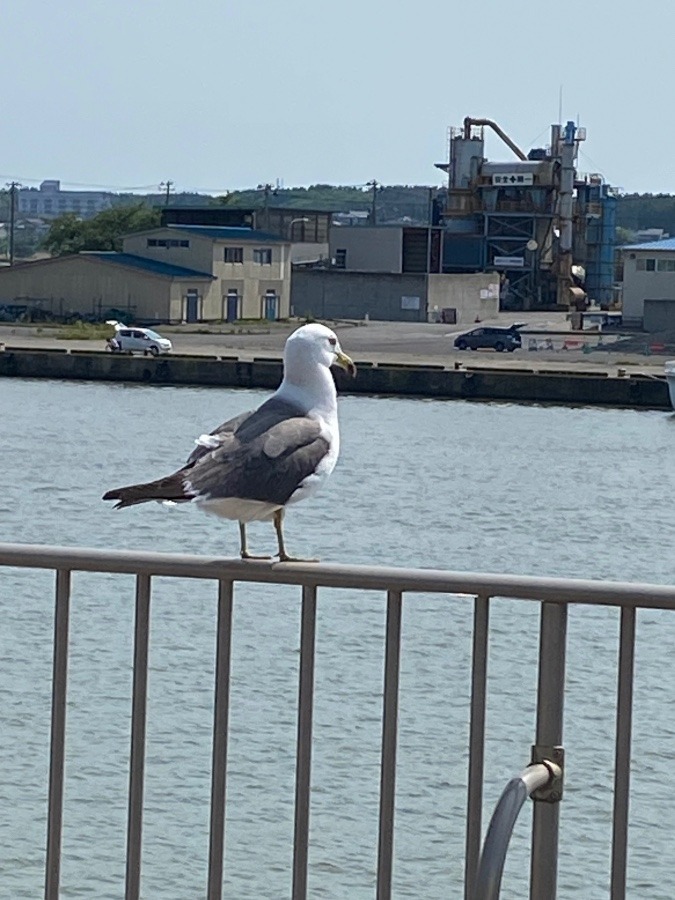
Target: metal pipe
pixel 58 735
pixel 550 703
pixel 383 578
pixel 469 121
pixel 303 765
pixel 220 725
pixel 481 614
pixel 137 753
pixel 624 716
pixel 392 664
pixel 491 868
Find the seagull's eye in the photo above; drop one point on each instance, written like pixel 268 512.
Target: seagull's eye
pixel 332 342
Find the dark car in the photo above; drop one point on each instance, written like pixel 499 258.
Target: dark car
pixel 492 337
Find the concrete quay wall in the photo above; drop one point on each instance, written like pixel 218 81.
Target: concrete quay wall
pixel 516 385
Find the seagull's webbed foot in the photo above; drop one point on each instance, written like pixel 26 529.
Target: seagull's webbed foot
pixel 283 556
pixel 243 551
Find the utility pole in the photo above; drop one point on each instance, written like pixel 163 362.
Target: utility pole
pixel 13 185
pixel 375 186
pixel 267 190
pixel 167 185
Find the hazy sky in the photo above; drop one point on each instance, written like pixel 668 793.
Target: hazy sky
pixel 223 94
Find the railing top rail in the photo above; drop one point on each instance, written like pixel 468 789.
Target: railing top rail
pixel 381 578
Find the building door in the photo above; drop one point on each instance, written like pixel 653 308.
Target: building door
pixel 192 306
pixel 271 306
pixel 232 306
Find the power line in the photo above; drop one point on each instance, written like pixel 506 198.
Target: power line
pixel 591 161
pixel 116 187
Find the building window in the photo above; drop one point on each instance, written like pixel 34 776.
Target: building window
pixel 665 265
pixel 340 259
pixel 233 254
pixel 166 242
pixel 646 264
pixel 262 256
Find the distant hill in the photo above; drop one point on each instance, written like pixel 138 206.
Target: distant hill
pixel 399 202
pixel 637 211
pixel 395 203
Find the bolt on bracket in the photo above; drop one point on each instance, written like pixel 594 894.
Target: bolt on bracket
pixel 554 760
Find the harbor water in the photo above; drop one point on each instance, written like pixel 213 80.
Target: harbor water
pixel 471 486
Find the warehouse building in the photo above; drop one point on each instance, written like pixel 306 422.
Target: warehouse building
pixel 179 273
pixel 649 285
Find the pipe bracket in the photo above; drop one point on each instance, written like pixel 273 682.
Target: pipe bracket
pixel 554 760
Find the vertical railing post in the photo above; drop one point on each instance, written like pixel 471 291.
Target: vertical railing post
pixel 303 766
pixel 58 735
pixel 624 718
pixel 385 856
pixel 481 616
pixel 220 726
pixel 550 707
pixel 138 722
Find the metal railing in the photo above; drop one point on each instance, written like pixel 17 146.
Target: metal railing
pixel 553 594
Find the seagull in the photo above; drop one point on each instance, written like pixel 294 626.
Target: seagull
pixel 255 465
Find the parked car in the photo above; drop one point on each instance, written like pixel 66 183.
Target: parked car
pixel 492 337
pixel 137 340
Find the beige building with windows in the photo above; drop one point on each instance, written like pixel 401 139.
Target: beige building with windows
pixel 649 285
pixel 49 201
pixel 178 273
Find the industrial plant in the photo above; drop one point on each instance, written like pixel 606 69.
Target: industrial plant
pixel 548 231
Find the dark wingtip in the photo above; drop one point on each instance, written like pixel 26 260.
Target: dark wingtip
pixel 114 495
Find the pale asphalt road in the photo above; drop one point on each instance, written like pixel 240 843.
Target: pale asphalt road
pixel 395 342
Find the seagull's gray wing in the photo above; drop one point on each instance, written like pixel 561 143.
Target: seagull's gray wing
pixel 265 457
pixel 218 437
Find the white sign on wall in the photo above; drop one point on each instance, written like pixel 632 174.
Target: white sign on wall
pixel 513 179
pixel 509 262
pixel 410 302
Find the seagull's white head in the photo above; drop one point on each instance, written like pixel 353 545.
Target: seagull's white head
pixel 315 345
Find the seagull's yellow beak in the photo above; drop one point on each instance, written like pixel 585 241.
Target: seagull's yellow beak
pixel 345 362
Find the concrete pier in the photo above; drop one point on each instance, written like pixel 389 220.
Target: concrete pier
pixel 456 381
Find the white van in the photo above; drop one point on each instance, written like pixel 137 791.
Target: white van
pixel 137 340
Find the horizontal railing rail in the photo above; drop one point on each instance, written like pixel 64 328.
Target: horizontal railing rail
pixel 383 578
pixel 552 594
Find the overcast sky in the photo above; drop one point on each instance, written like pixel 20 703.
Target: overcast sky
pixel 221 95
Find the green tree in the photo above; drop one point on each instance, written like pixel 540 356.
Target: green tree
pixel 4 206
pixel 624 235
pixel 69 234
pixel 65 235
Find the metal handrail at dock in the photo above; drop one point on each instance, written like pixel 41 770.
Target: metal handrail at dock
pixel 543 778
pixel 553 596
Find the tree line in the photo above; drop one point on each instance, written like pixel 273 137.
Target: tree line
pixel 394 203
